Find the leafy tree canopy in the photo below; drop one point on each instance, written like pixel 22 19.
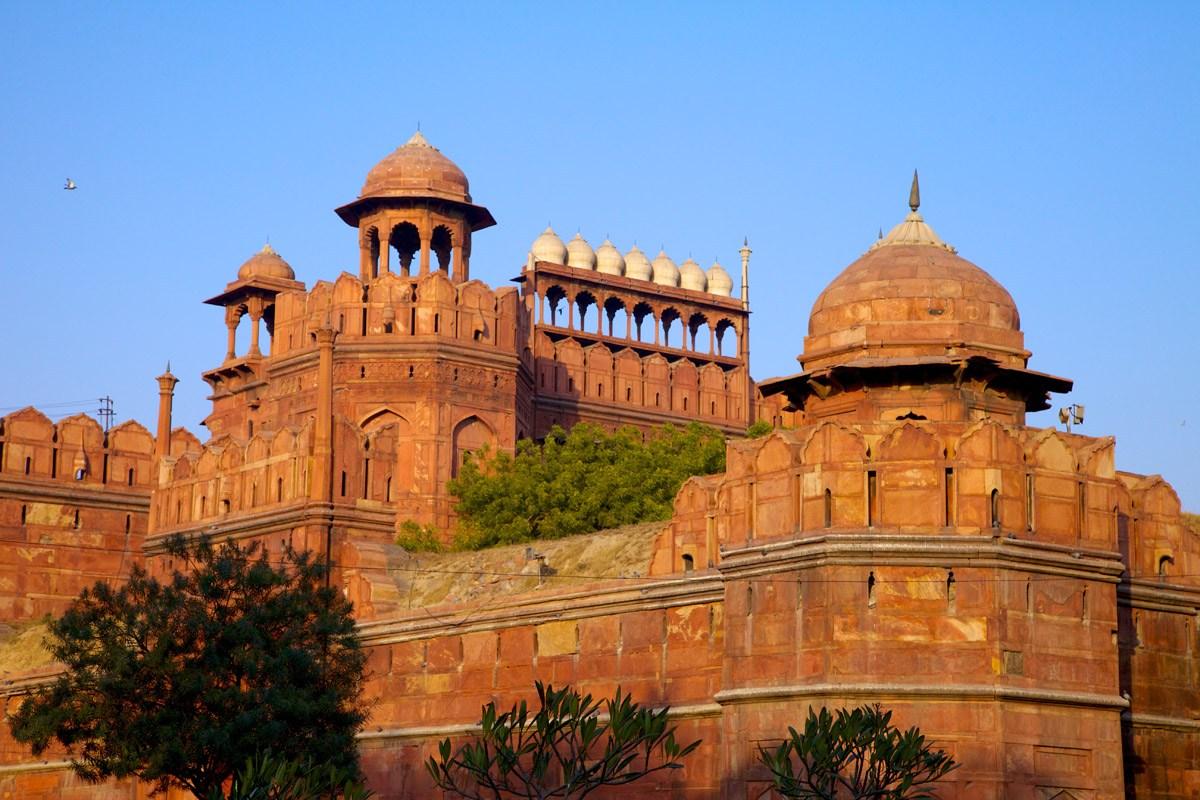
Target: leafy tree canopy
pixel 266 776
pixel 176 682
pixel 562 750
pixel 855 755
pixel 585 480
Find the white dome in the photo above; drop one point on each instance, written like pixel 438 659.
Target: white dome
pixel 548 247
pixel 609 259
pixel 719 281
pixel 580 254
pixel 637 266
pixel 665 271
pixel 692 277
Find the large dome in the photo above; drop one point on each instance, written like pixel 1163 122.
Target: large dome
pixel 417 169
pixel 911 296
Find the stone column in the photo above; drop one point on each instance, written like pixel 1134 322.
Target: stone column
pixel 385 251
pixel 426 244
pixel 255 307
pixel 231 322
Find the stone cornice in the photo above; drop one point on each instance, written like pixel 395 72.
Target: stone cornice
pixel 88 495
pixel 1161 722
pixel 594 601
pixel 696 711
pixel 950 550
pixel 946 691
pixel 242 526
pixel 1153 595
pixel 37 766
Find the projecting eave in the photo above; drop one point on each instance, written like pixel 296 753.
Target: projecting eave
pixel 1036 386
pixel 251 287
pixel 478 216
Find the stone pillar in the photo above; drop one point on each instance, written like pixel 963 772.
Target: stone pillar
pixel 628 325
pixel 255 307
pixel 322 468
pixel 426 244
pixel 385 252
pixel 231 322
pixel 365 267
pixel 166 395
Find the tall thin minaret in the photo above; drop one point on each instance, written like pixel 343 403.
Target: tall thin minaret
pixel 166 395
pixel 746 251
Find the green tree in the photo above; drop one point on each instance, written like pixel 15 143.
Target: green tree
pixel 759 429
pixel 581 481
pixel 268 777
pixel 562 750
pixel 175 682
pixel 855 755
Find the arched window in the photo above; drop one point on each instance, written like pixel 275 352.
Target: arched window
pixel 470 436
pixel 995 508
pixel 828 508
pixel 441 244
pixel 406 242
pixel 689 563
pixel 1165 565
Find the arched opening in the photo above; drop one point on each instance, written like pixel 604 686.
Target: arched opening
pixel 441 244
pixel 640 312
pixel 700 335
pixel 585 301
pixel 689 563
pixel 470 436
pixel 406 241
pixel 994 508
pixel 828 508
pixel 372 247
pixel 871 590
pixel 553 302
pixel 279 490
pixel 727 339
pixel 1165 565
pixel 618 318
pixel 669 317
pixel 129 477
pixel 950 591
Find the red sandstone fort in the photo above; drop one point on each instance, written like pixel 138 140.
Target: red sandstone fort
pixel 903 537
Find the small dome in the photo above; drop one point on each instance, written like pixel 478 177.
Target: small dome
pixel 580 254
pixel 266 263
pixel 548 247
pixel 637 266
pixel 609 259
pixel 417 169
pixel 665 271
pixel 692 277
pixel 719 281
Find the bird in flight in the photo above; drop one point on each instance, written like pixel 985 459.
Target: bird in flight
pixel 69 185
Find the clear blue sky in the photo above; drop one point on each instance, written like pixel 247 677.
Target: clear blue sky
pixel 1057 145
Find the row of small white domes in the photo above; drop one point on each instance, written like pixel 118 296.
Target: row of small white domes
pixel 608 259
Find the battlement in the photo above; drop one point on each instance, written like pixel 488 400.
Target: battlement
pixel 952 479
pixel 75 451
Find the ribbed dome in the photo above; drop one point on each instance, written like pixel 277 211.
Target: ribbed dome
pixel 266 263
pixel 637 266
pixel 664 270
pixel 692 277
pixel 548 247
pixel 719 281
pixel 609 259
pixel 417 169
pixel 580 254
pixel 911 295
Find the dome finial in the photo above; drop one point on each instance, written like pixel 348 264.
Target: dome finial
pixel 914 194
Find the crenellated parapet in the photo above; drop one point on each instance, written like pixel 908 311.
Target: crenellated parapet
pixel 75 451
pixel 909 477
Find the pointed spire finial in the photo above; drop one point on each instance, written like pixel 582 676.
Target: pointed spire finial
pixel 914 194
pixel 168 367
pixel 881 233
